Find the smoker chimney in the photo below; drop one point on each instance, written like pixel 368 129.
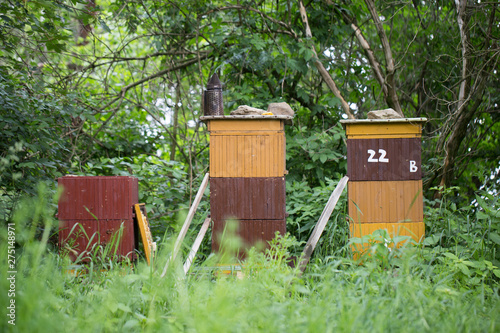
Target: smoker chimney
pixel 212 97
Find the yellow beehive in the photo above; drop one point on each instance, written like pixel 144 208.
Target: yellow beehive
pixel 247 148
pixel 385 182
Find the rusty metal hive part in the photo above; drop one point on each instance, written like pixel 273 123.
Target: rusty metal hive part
pixel 214 82
pixel 247 198
pixel 213 104
pixel 97 197
pixel 384 159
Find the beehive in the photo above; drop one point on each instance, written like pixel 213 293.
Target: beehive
pixel 247 176
pixel 92 209
pixel 385 177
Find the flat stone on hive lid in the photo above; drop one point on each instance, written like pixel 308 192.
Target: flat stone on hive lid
pixel 384 114
pixel 280 109
pixel 244 110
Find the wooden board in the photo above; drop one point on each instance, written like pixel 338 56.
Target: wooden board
pixel 384 159
pixel 187 223
pixel 224 125
pixel 380 130
pixel 320 226
pixel 247 155
pixel 255 198
pixel 385 201
pixel 146 237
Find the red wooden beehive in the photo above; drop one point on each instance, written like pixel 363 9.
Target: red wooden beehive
pixel 91 211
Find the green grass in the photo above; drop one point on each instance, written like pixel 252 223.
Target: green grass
pixel 412 289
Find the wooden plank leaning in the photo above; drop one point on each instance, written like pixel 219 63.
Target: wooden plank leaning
pixel 185 227
pixel 196 244
pixel 320 226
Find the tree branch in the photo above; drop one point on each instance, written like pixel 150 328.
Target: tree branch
pixel 124 90
pixel 319 65
pixel 392 99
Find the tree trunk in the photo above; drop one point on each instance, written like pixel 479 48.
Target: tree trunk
pixel 175 120
pixel 321 69
pixel 391 97
pixel 470 94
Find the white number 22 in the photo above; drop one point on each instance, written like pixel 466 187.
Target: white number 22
pixel 382 157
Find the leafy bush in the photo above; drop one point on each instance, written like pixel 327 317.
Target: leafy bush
pixel 409 289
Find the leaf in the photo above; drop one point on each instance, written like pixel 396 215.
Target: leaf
pixel 451 256
pixel 431 240
pixel 494 237
pixel 124 308
pixel 481 216
pixel 131 323
pixel 464 269
pixel 104 26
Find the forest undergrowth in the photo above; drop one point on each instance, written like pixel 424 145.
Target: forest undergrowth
pixel 447 283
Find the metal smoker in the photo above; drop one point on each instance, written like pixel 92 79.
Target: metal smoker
pixel 212 97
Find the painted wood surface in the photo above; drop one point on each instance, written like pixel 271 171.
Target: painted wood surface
pixel 384 159
pixel 146 236
pixel 385 201
pixel 247 198
pixel 381 130
pixel 247 155
pixel 250 232
pixel 415 230
pixel 103 197
pixel 79 237
pixel 225 125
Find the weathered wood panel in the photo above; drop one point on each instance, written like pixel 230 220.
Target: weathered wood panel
pixel 247 198
pixel 385 201
pixel 384 159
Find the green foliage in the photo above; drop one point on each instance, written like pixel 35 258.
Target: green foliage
pixel 304 206
pixel 313 155
pixel 33 149
pixel 405 290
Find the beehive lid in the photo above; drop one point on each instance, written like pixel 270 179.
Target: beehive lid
pixel 246 117
pixel 345 122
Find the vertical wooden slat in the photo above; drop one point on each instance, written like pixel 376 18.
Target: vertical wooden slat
pixel 242 156
pixel 385 201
